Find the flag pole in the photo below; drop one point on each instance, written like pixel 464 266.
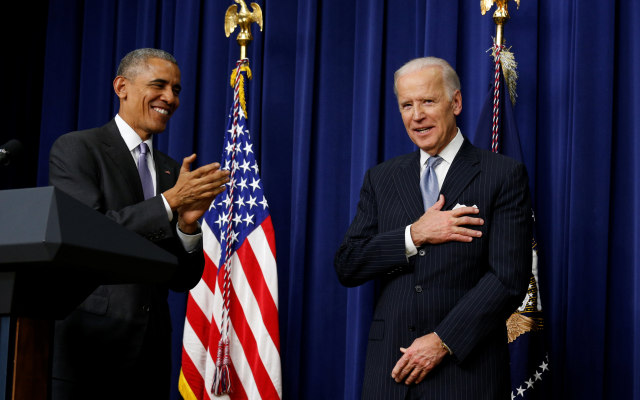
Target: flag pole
pixel 503 56
pixel 500 16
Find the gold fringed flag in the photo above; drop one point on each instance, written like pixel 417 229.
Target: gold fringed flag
pixel 497 130
pixel 231 345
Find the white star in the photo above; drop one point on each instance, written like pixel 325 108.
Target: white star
pixel 237 219
pixel 255 184
pixel 255 168
pixel 240 113
pixel 212 205
pixel 529 383
pixel 248 219
pixel 227 200
pixel 234 166
pixel 264 203
pixel 248 148
pixel 243 184
pixel 238 147
pixel 233 128
pixel 240 201
pixel 513 396
pixel 220 221
pixel 226 164
pixel 520 391
pixel 240 129
pixel 245 166
pixel 538 376
pixel 229 147
pixel 234 236
pixel 544 366
pixel 251 202
pixel 232 182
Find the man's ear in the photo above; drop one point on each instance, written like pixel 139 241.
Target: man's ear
pixel 120 87
pixel 456 103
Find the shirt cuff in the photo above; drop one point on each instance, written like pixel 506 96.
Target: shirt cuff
pixel 409 248
pixel 444 345
pixel 190 242
pixel 167 207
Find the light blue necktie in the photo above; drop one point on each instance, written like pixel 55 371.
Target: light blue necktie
pixel 429 182
pixel 145 174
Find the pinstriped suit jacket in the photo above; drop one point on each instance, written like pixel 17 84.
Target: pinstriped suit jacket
pixel 463 291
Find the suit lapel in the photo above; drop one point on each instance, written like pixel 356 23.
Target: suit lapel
pixel 465 167
pixel 407 182
pixel 116 149
pixel 164 174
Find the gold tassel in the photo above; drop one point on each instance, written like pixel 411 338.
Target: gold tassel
pixel 243 102
pixel 509 70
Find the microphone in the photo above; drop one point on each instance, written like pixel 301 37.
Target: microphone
pixel 9 151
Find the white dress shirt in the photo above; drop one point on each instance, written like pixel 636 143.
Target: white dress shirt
pixel 447 154
pixel 133 140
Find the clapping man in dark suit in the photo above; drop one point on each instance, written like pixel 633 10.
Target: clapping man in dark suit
pixel 116 344
pixel 446 233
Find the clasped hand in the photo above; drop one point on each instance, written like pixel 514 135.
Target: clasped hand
pixel 436 226
pixel 194 191
pixel 424 354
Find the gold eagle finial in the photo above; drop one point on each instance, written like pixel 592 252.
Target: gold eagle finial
pixel 501 10
pixel 243 18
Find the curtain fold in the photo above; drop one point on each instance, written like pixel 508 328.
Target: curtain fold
pixel 368 84
pixel 322 112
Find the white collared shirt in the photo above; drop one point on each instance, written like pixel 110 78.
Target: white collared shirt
pixel 133 140
pixel 447 154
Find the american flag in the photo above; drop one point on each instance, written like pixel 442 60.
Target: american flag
pixel 237 228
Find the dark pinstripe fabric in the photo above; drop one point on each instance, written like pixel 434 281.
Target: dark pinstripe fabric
pixel 463 291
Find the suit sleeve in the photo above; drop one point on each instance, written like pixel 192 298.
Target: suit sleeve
pixel 366 254
pixel 74 167
pixel 503 287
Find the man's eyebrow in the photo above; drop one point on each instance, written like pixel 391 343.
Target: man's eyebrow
pixel 159 80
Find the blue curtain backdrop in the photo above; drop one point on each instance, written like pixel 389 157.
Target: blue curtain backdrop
pixel 323 111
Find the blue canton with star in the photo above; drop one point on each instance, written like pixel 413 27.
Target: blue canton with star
pixel 244 190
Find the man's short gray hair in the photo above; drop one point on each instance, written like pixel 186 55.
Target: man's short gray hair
pixel 130 63
pixel 449 75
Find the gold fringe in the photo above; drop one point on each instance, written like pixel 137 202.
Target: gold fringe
pixel 185 389
pixel 509 70
pixel 243 102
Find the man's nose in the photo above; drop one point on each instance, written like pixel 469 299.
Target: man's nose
pixel 418 113
pixel 168 96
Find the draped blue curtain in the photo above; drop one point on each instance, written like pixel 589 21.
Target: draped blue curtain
pixel 323 111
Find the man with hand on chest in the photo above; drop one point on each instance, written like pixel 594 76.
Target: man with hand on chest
pixel 446 232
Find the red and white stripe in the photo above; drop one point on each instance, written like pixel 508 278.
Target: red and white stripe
pixel 253 330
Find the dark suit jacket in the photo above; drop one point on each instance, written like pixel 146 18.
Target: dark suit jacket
pixel 117 342
pixel 462 291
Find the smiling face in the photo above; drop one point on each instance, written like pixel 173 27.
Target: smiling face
pixel 149 97
pixel 428 114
